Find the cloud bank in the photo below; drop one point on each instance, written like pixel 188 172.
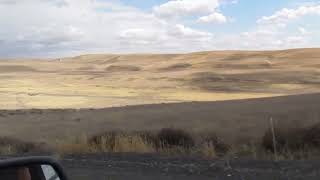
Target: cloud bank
pixel 52 28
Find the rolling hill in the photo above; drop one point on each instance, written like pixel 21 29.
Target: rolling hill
pixel 106 80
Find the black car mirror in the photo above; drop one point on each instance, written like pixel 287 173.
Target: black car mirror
pixel 32 168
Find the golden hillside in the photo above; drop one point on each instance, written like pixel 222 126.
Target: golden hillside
pixel 96 81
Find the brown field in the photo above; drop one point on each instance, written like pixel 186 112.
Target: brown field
pixel 232 94
pixel 236 120
pixel 99 81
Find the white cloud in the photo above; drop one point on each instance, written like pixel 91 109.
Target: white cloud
pixel 169 38
pixel 137 33
pixel 280 31
pixel 142 36
pixel 303 31
pixel 176 8
pixel 270 37
pixel 69 27
pixel 205 10
pixel 295 39
pixel 180 31
pixel 285 15
pixel 214 17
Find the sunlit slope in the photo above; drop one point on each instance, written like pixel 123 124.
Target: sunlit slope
pixel 96 81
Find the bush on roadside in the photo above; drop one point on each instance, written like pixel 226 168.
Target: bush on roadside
pixel 173 138
pixel 117 141
pixel 105 141
pixel 166 140
pixel 293 139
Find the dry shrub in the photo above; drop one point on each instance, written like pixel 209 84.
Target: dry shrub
pixel 173 138
pixel 311 136
pixel 132 143
pixel 116 141
pixel 10 146
pixel 105 141
pixel 293 139
pixel 208 150
pixel 285 139
pixel 147 136
pixel 167 140
pixel 211 140
pixel 76 145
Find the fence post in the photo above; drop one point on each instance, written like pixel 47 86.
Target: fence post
pixel 274 140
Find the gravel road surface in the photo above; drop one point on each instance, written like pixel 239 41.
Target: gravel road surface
pixel 143 167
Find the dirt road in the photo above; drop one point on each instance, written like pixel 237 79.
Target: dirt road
pixel 143 167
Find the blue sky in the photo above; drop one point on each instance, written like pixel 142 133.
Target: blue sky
pixel 244 12
pixel 53 28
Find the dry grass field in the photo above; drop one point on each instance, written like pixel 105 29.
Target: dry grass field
pixel 99 81
pixel 231 94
